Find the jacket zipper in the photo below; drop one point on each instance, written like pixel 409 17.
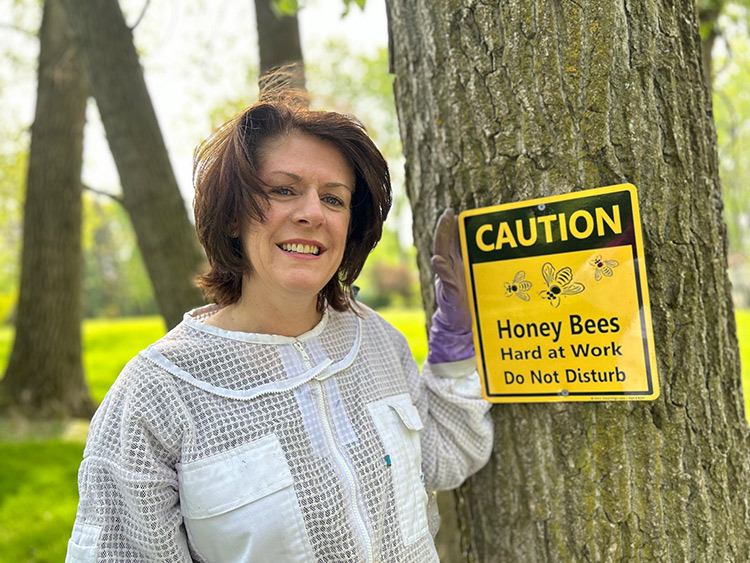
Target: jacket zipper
pixel 319 391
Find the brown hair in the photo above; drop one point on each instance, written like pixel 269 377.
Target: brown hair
pixel 229 193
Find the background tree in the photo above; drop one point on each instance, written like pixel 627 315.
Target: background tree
pixel 279 42
pixel 151 195
pixel 44 376
pixel 708 15
pixel 510 101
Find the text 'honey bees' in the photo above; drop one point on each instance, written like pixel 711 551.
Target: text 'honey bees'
pixel 578 325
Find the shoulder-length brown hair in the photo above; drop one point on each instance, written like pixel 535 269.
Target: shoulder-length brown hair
pixel 229 193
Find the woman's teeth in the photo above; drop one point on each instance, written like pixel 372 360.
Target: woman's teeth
pixel 301 248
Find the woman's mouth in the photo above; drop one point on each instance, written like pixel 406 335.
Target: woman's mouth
pixel 300 248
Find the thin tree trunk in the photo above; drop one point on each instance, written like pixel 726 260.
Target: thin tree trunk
pixel 279 45
pixel 44 377
pixel 511 100
pixel 151 195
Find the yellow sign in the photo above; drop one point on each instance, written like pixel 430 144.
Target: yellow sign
pixel 559 298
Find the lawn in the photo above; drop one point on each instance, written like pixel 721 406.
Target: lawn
pixel 39 462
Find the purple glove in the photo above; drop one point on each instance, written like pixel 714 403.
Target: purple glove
pixel 450 337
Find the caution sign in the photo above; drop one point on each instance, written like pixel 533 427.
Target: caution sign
pixel 559 298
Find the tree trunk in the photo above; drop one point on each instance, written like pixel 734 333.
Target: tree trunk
pixel 279 45
pixel 151 195
pixel 709 20
pixel 510 101
pixel 44 377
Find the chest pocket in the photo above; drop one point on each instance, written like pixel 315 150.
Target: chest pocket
pixel 240 505
pixel 398 425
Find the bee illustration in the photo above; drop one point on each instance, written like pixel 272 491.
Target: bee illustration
pixel 559 284
pixel 603 267
pixel 519 286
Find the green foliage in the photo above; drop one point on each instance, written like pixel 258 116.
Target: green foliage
pixel 6 342
pixel 18 54
pixel 389 277
pixel 230 107
pixel 115 280
pixel 285 7
pixel 732 116
pixel 291 7
pixel 12 181
pixel 348 5
pixel 358 84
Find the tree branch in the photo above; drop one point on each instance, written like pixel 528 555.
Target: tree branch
pixel 141 16
pixel 114 197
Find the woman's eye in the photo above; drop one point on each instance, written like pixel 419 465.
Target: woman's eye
pixel 281 191
pixel 333 200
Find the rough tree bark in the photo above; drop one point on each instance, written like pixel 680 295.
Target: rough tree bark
pixel 279 45
pixel 505 101
pixel 44 376
pixel 151 195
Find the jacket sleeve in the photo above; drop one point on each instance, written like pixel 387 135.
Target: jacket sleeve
pixel 128 509
pixel 456 440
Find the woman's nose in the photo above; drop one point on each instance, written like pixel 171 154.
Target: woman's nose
pixel 310 208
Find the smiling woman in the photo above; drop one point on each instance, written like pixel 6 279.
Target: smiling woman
pixel 286 421
pixel 262 161
pixel 298 247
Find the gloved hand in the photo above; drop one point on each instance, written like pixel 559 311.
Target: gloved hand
pixel 450 338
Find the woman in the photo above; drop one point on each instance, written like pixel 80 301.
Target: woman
pixel 285 422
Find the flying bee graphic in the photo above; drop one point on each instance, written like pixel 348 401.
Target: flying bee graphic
pixel 519 287
pixel 603 267
pixel 559 284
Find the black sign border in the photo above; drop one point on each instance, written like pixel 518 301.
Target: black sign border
pixel 641 309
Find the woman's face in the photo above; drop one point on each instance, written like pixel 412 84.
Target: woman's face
pixel 298 248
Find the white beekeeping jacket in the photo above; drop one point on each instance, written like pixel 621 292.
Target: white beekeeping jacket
pixel 226 446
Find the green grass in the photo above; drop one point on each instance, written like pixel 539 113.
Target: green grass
pixel 411 323
pixel 38 499
pixel 110 343
pixel 39 461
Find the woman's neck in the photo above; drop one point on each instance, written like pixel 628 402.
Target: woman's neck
pixel 261 316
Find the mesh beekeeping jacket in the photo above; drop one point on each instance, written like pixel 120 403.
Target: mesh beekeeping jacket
pixel 227 446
